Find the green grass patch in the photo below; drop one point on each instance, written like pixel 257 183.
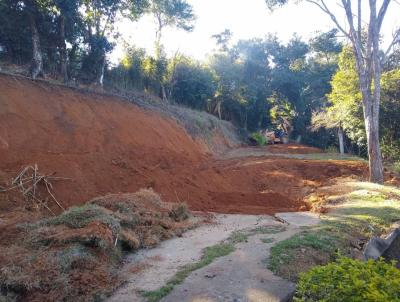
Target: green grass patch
pixel 267 230
pixel 366 212
pixel 209 255
pixel 267 240
pixel 283 252
pixel 238 237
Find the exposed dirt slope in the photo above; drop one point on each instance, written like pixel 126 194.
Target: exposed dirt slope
pixel 103 144
pixel 107 145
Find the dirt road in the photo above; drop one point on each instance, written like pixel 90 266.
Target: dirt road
pixel 240 276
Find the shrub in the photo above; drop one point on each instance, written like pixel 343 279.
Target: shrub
pixel 396 167
pixel 350 280
pixel 261 139
pixel 391 153
pixel 331 149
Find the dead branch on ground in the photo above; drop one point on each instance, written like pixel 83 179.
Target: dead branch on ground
pixel 29 181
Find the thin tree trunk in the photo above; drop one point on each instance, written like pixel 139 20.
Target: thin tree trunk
pixel 164 93
pixel 63 50
pixel 37 59
pixel 218 109
pixel 341 140
pixel 100 74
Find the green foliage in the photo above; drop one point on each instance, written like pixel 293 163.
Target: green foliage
pixel 281 109
pixel 350 280
pixel 222 39
pixel 326 46
pixel 261 139
pixel 14 33
pixel 177 13
pixel 396 167
pixel 192 84
pixel 345 99
pixel 345 110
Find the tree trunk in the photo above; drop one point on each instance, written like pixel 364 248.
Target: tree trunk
pixel 37 59
pixel 369 68
pixel 63 50
pixel 100 73
pixel 341 139
pixel 163 93
pixel 374 151
pixel 371 120
pixel 218 109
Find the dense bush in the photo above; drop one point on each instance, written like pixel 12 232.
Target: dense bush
pixel 261 139
pixel 351 281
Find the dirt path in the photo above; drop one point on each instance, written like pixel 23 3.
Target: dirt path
pixel 240 276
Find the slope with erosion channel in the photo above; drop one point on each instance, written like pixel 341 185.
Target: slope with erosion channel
pixel 105 144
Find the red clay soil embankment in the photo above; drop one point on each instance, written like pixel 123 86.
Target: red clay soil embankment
pixel 106 145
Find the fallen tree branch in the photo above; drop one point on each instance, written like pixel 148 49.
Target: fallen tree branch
pixel 28 182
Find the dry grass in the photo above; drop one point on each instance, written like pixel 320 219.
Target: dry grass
pixel 75 255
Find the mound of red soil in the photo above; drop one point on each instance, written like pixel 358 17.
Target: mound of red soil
pixel 106 145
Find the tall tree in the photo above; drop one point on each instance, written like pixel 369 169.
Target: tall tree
pixel 168 13
pixel 367 50
pixel 99 18
pixel 171 13
pixel 222 39
pixel 67 16
pixel 32 9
